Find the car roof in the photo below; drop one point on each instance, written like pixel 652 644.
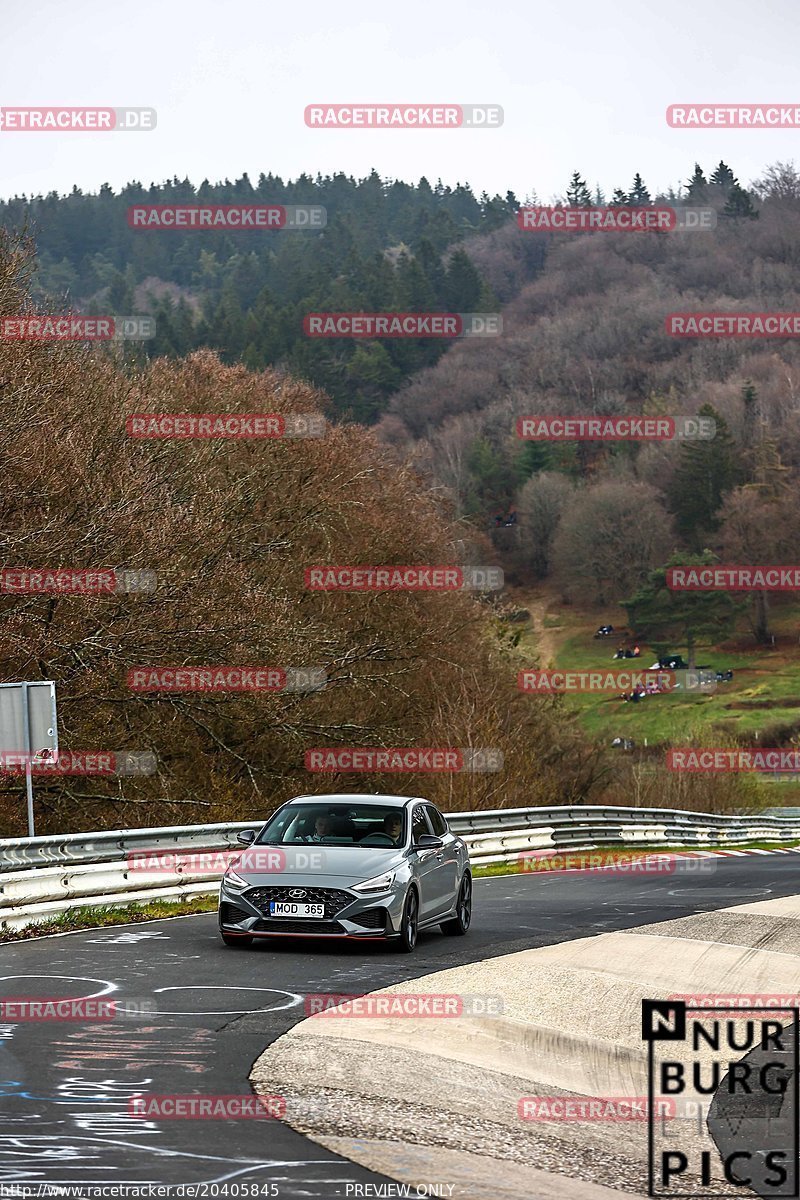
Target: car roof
pixel 360 797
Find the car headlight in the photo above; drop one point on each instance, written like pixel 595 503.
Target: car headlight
pixel 380 883
pixel 234 881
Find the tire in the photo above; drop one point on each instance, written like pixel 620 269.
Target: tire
pixel 409 925
pixel 459 924
pixel 232 939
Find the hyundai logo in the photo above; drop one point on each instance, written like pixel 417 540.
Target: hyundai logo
pixel 297 893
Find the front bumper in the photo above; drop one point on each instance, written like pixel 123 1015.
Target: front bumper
pixel 376 917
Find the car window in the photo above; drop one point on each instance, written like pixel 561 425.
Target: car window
pixel 336 824
pixel 438 823
pixel 419 823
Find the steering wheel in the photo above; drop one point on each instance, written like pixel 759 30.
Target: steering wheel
pixel 384 840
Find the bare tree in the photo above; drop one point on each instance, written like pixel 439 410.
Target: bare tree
pixel 609 537
pixel 780 181
pixel 541 503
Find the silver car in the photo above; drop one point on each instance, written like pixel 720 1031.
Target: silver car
pixel 348 866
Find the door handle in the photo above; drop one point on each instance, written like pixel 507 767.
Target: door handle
pixel 440 857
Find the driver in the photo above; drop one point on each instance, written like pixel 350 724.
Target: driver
pixel 322 828
pixel 392 825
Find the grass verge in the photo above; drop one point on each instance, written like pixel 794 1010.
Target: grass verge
pixel 88 917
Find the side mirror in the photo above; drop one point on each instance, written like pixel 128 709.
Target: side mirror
pixel 246 837
pixel 428 841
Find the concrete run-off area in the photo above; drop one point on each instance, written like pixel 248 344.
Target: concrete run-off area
pixel 435 1102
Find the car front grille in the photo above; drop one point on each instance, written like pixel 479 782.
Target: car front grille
pixel 231 915
pixel 333 898
pixel 373 918
pixel 297 925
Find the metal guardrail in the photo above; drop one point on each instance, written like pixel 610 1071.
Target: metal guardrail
pixel 43 877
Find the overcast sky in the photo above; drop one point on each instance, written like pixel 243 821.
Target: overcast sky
pixel 583 84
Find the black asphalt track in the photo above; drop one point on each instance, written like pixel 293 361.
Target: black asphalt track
pixel 65 1087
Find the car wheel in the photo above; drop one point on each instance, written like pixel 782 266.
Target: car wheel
pixel 459 924
pixel 233 939
pixel 409 924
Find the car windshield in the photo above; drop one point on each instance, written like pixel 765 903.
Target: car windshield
pixel 336 825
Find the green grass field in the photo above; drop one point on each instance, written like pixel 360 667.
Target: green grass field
pixel 764 693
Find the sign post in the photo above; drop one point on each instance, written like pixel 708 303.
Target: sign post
pixel 28 728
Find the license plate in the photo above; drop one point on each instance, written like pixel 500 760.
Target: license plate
pixel 281 908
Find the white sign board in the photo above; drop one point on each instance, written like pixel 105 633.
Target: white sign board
pixel 28 727
pixel 28 719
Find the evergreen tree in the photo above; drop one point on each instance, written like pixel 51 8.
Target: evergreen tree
pixel 249 295
pixel 706 471
pixel 697 187
pixel 656 612
pixel 750 413
pixel 183 328
pixel 619 198
pixel 493 476
pixel 534 457
pixel 578 194
pixel 496 210
pixel 639 195
pixel 739 205
pixel 723 176
pixel 120 295
pixel 370 376
pixel 413 291
pixel 462 284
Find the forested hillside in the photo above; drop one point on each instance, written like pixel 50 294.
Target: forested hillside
pixel 583 333
pixel 588 337
pixel 228 529
pixel 386 246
